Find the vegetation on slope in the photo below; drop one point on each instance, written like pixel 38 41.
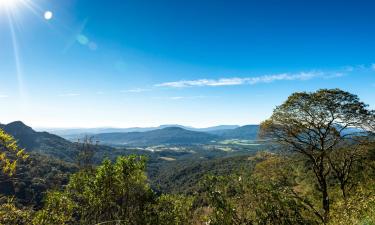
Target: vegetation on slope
pixel 321 175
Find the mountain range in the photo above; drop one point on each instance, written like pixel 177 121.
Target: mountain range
pixel 53 145
pixel 59 147
pixel 165 136
pixel 177 135
pixel 75 132
pixel 161 134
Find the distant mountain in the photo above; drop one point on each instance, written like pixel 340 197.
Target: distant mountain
pixel 248 132
pixel 50 144
pixel 77 133
pixel 138 136
pixel 169 135
pixel 217 128
pixel 40 142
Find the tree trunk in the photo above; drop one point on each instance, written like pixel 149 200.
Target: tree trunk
pixel 343 191
pixel 325 202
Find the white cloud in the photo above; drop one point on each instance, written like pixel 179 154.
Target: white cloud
pixel 3 96
pixel 248 80
pixel 69 95
pixel 136 90
pixel 360 68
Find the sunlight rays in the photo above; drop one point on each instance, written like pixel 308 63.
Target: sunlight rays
pixel 8 3
pixel 11 9
pixel 10 13
pixel 17 60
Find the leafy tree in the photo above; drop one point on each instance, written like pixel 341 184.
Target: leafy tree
pixel 9 153
pixel 243 199
pixel 58 210
pixel 172 210
pixel 113 193
pixel 315 126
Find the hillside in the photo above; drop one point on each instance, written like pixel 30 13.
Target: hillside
pixel 52 145
pixel 183 176
pixel 166 136
pixel 40 142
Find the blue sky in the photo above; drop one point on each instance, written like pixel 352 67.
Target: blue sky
pixel 200 63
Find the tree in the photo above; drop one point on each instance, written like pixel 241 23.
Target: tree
pixel 58 210
pixel 315 126
pixel 172 210
pixel 86 152
pixel 244 199
pixel 113 193
pixel 10 153
pixel 369 124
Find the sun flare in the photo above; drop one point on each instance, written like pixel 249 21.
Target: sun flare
pixel 8 4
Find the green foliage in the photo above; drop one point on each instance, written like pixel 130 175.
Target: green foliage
pixel 243 199
pixel 172 210
pixel 10 153
pixel 315 127
pixel 58 210
pixel 358 209
pixel 10 214
pixel 184 176
pixel 33 177
pixel 112 192
pixel 326 177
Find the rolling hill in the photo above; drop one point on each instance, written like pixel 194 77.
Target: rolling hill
pixel 76 133
pixel 138 136
pixel 40 142
pixel 52 145
pixel 165 136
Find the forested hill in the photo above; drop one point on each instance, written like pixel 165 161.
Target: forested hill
pixel 178 136
pixel 53 145
pixel 40 142
pixel 247 132
pixel 169 135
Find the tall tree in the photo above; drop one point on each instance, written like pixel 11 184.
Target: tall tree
pixel 315 125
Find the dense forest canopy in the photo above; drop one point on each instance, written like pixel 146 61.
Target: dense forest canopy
pixel 320 169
